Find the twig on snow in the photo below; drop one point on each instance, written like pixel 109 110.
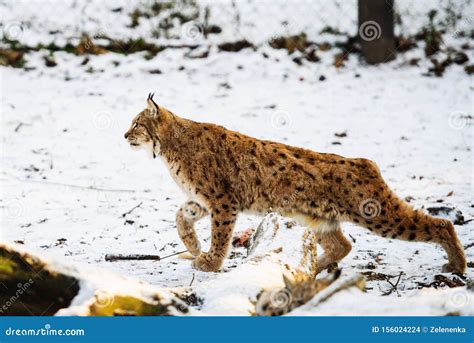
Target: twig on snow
pixel 394 286
pixel 138 257
pixel 20 124
pixel 134 208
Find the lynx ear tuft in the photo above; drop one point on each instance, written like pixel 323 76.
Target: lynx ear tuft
pixel 153 108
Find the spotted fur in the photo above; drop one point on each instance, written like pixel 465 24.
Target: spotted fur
pixel 225 172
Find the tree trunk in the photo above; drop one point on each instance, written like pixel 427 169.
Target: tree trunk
pixel 376 30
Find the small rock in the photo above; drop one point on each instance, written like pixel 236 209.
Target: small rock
pixel 370 265
pixel 470 284
pixel 235 46
pixel 311 56
pixel 298 61
pixel 469 69
pixel 49 62
pixel 460 58
pixel 225 85
pixel 155 71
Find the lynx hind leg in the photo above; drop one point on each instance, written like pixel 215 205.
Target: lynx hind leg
pixel 395 219
pixel 333 242
pixel 449 240
pixel 189 213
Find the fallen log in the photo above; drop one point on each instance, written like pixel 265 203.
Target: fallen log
pixel 278 276
pixel 30 285
pixel 138 257
pixel 278 250
pixel 277 302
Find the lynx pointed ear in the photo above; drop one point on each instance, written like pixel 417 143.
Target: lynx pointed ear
pixel 152 107
pixel 288 283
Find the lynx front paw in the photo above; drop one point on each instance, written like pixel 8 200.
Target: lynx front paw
pixel 186 256
pixel 206 263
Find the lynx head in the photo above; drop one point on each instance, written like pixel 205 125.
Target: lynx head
pixel 142 132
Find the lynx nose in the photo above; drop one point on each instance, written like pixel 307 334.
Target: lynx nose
pixel 126 135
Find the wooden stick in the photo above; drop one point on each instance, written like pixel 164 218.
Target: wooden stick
pixel 137 257
pixel 130 211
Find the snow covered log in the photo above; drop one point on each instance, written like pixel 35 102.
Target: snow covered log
pixel 29 286
pixel 280 252
pixel 280 301
pixel 293 246
pixel 35 286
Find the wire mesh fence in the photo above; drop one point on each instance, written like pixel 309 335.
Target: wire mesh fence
pixel 303 27
pixel 256 21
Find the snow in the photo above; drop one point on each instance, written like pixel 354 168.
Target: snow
pixel 68 173
pixel 424 303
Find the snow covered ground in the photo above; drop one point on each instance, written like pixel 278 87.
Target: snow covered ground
pixel 68 177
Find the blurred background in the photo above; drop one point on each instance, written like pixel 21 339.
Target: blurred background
pixel 304 28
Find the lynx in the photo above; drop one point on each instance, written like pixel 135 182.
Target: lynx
pixel 225 172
